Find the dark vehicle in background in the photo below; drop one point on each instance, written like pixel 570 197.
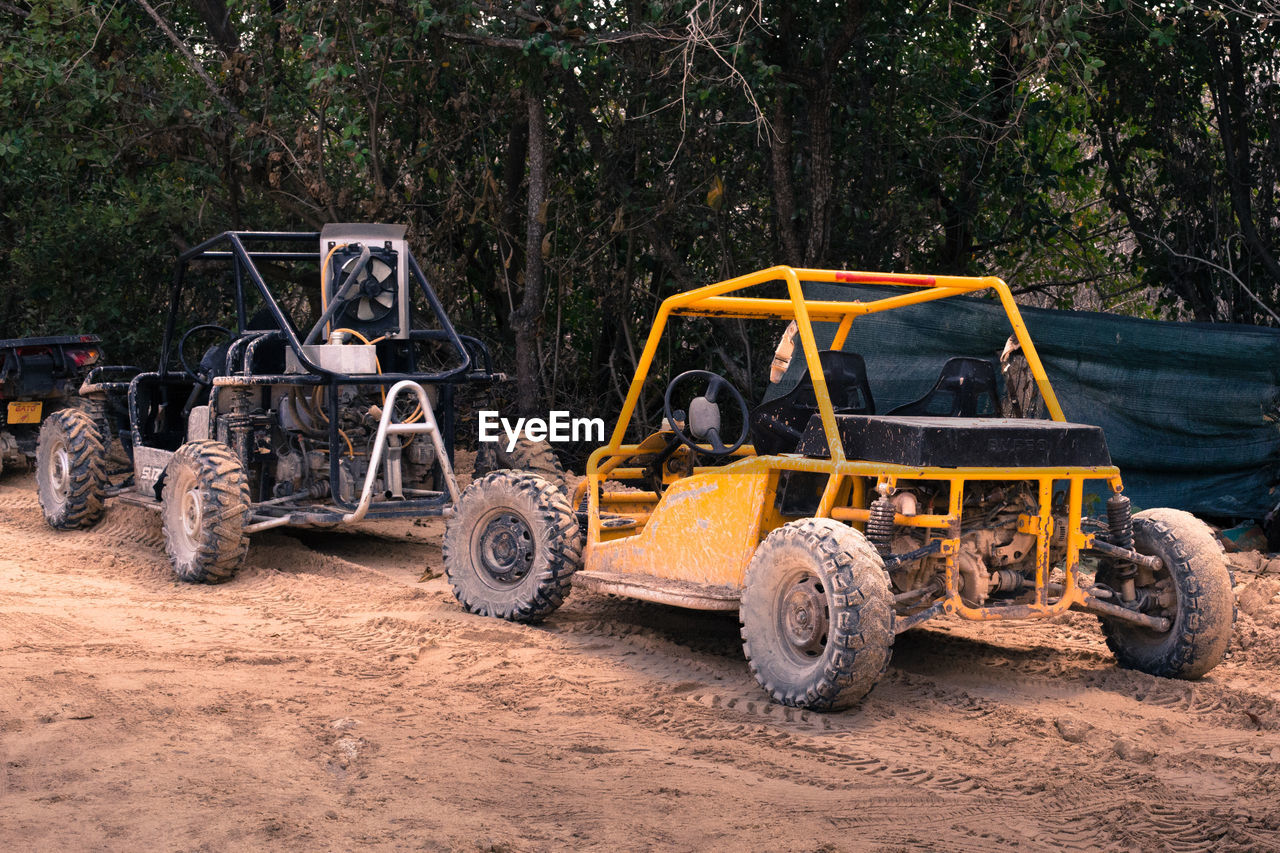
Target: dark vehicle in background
pixel 39 376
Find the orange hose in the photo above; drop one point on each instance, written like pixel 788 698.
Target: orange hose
pixel 417 411
pixel 318 408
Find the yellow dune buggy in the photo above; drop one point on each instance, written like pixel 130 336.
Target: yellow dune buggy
pixel 831 528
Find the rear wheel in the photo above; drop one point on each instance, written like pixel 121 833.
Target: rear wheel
pixel 1193 591
pixel 511 547
pixel 70 470
pixel 206 505
pixel 817 615
pixel 533 456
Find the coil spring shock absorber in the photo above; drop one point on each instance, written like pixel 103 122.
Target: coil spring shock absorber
pixel 880 525
pixel 1120 534
pixel 1120 521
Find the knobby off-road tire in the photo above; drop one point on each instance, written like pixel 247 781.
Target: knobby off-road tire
pixel 817 615
pixel 1203 612
pixel 534 456
pixel 71 476
pixel 206 506
pixel 511 547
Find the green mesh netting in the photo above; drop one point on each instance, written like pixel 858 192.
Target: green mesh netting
pixel 1189 409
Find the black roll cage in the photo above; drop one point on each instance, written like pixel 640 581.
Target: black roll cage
pixel 474 360
pixel 243 264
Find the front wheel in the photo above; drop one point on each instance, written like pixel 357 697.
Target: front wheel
pixel 206 505
pixel 1192 590
pixel 71 479
pixel 817 615
pixel 511 547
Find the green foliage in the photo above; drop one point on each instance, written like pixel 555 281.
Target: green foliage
pixel 1188 155
pixel 1075 148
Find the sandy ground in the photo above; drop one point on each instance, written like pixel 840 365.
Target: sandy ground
pixel 327 700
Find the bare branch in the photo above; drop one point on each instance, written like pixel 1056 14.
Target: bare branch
pixel 487 41
pixel 1220 267
pixel 192 62
pixel 704 31
pixel 1041 287
pixel 97 35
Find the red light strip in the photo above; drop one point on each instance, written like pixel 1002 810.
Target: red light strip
pixel 862 278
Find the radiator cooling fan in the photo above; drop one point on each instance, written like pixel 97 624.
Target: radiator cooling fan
pixel 369 278
pixel 374 295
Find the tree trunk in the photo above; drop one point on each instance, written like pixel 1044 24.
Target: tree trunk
pixel 822 176
pixel 526 320
pixel 784 192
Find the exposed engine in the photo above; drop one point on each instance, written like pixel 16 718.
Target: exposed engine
pixel 995 560
pixel 302 452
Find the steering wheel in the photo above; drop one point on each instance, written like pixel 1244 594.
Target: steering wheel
pixel 202 378
pixel 704 413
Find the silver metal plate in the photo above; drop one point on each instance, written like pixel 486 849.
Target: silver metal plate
pixel 148 464
pixel 340 358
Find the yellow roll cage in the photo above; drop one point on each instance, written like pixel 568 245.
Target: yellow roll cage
pixel 717 300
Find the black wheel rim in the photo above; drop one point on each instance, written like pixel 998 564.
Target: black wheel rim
pixel 803 617
pixel 503 548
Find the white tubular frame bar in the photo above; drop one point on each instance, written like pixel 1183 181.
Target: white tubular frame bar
pixel 386 427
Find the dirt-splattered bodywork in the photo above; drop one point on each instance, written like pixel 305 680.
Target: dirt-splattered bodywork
pixel 982 541
pixel 831 529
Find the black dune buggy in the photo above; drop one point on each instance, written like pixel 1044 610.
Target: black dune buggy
pixel 250 421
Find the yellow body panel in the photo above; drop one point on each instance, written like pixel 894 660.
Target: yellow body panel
pixel 704 530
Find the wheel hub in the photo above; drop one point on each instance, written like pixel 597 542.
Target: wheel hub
pixel 61 473
pixel 506 548
pixel 803 617
pixel 192 513
pixel 184 516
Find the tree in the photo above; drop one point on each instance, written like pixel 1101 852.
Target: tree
pixel 565 166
